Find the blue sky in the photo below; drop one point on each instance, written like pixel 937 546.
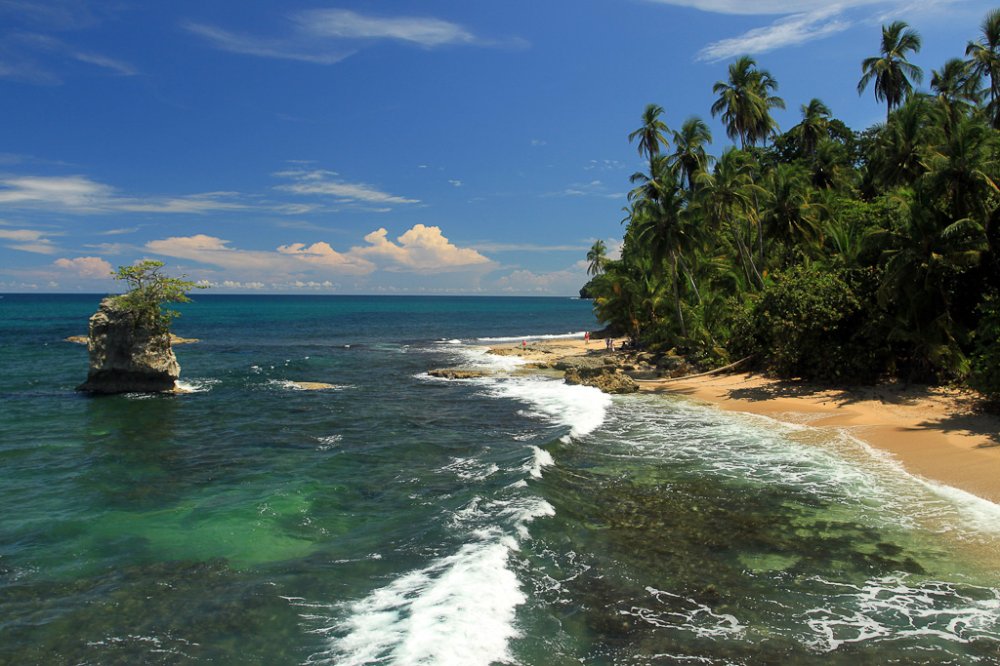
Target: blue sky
pixel 379 147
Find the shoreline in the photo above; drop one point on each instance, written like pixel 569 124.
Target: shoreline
pixel 934 432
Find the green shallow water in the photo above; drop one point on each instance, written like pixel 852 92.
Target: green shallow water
pixel 401 520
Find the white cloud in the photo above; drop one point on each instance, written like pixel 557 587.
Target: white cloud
pixel 266 48
pixel 41 59
pixel 98 60
pixel 79 194
pixel 327 36
pixel 788 31
pixel 528 247
pixel 216 252
pixel 802 20
pixel 345 24
pixel 28 240
pixel 321 254
pixel 455 183
pixel 20 234
pixel 421 248
pixel 85 267
pixel 564 282
pixel 320 182
pixel 762 7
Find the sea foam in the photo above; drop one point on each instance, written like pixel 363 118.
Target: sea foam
pixel 519 338
pixel 458 611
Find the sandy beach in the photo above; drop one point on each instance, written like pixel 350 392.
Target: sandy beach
pixel 934 432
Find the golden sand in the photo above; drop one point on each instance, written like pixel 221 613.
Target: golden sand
pixel 934 432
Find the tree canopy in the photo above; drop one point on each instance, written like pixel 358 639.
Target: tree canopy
pixel 826 253
pixel 149 289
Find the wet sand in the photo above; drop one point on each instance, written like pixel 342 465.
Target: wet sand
pixel 935 432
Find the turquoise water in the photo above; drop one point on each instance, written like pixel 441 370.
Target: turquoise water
pixel 400 519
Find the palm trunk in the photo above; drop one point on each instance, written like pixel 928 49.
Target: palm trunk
pixel 677 295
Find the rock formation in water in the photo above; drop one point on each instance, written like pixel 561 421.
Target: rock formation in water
pixel 128 355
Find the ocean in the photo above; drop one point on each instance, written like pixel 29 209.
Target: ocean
pixel 402 519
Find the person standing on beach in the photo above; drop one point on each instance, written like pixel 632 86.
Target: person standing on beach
pixel 586 338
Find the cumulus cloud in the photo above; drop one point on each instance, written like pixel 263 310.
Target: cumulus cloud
pixel 217 252
pixel 421 248
pixel 321 254
pixel 85 267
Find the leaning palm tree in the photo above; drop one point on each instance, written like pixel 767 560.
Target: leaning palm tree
pixel 892 73
pixel 984 56
pixel 652 135
pixel 597 256
pixel 690 156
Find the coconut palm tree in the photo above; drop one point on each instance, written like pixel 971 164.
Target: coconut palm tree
pixel 902 144
pixel 745 102
pixel 689 155
pixel 652 135
pixel 984 56
pixel 726 198
pixel 814 126
pixel 957 88
pixel 597 256
pixel 892 73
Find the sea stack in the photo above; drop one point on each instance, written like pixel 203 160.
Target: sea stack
pixel 128 355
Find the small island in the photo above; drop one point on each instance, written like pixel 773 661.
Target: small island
pixel 129 339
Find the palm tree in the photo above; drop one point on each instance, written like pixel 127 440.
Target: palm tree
pixel 922 259
pixel 814 126
pixel 689 156
pixel 725 197
pixel 745 102
pixel 984 56
pixel 789 210
pixel 653 133
pixel 964 171
pixel 957 88
pixel 902 144
pixel 597 256
pixel 893 74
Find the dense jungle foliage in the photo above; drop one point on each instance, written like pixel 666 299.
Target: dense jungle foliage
pixel 823 252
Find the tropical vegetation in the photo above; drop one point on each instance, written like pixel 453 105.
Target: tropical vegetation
pixel 148 290
pixel 823 252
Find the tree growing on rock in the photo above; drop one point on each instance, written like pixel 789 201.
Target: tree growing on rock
pixel 149 289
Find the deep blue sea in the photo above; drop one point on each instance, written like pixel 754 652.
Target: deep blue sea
pixel 400 519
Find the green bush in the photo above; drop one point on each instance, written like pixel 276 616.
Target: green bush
pixel 985 375
pixel 815 324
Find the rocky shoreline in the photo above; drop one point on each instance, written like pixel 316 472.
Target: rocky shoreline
pixel 592 364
